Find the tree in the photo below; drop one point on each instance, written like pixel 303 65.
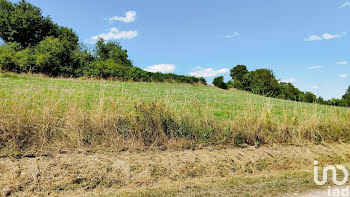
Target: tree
pixel 23 23
pixel 66 34
pixel 230 84
pixel 219 82
pixel 288 91
pixel 346 97
pixel 263 82
pixel 309 97
pixel 320 100
pixel 112 50
pixel 238 72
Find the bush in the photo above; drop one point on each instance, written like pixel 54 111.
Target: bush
pixel 110 69
pixel 219 82
pixel 27 60
pixel 8 58
pixel 56 57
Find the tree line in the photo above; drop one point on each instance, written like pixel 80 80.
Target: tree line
pixel 264 82
pixel 34 43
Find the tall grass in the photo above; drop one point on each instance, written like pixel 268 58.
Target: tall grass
pixel 39 113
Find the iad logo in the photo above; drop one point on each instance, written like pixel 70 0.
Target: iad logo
pixel 334 174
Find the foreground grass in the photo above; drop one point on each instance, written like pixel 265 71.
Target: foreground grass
pixel 265 171
pixel 38 112
pixel 263 185
pixel 71 137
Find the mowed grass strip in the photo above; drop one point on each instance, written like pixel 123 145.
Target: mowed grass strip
pixel 268 170
pixel 246 186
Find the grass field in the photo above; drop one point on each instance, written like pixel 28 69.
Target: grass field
pixel 39 112
pixel 80 137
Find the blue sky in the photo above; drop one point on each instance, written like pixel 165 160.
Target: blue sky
pixel 304 42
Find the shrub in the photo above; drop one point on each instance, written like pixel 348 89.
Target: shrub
pixel 27 60
pixel 55 57
pixel 110 69
pixel 219 82
pixel 8 58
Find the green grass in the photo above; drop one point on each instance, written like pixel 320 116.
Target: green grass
pixel 226 115
pixel 221 104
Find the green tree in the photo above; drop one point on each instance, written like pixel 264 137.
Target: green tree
pixel 320 100
pixel 219 82
pixel 263 82
pixel 230 84
pixel 238 72
pixel 288 91
pixel 310 97
pixel 346 97
pixel 23 23
pixel 112 50
pixel 67 35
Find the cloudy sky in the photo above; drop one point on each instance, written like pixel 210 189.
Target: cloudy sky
pixel 304 42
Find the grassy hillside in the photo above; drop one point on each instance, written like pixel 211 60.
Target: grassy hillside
pixel 67 137
pixel 42 112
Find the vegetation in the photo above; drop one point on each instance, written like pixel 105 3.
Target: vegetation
pixel 267 171
pixel 264 82
pixel 35 44
pixel 38 112
pixel 219 82
pixel 55 131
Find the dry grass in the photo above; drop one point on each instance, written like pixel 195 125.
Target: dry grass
pixel 267 171
pixel 41 113
pixel 69 137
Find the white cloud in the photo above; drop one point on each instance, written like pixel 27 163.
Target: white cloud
pixel 342 63
pixel 315 67
pixel 328 36
pixel 290 80
pixel 234 34
pixel 114 34
pixel 163 68
pixel 315 87
pixel 346 4
pixel 313 37
pixel 343 76
pixel 325 36
pixel 129 17
pixel 207 72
